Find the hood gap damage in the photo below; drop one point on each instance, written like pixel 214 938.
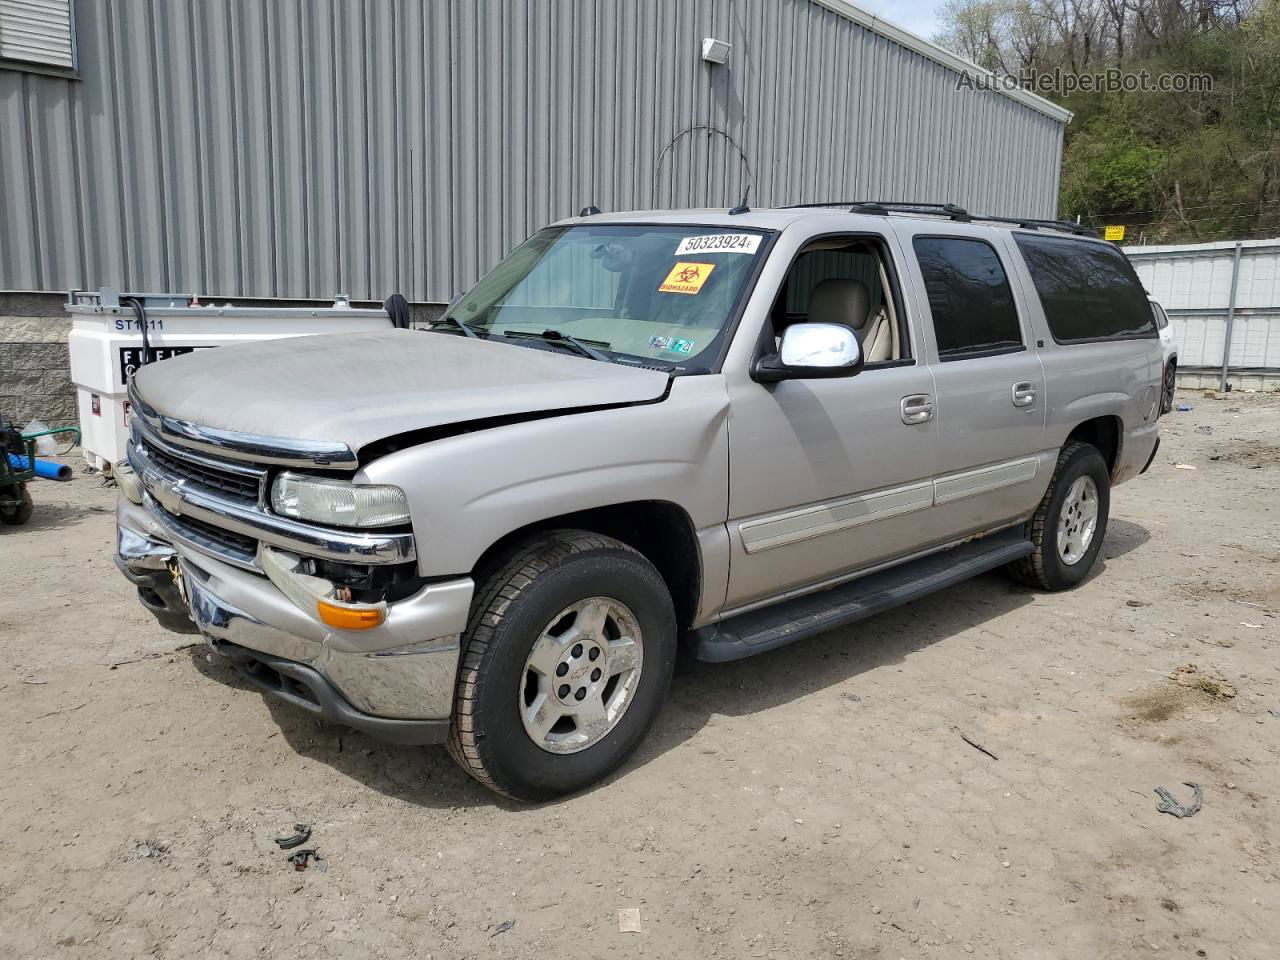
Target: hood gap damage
pixel 412 438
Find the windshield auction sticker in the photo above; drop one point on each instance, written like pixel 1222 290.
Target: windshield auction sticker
pixel 719 243
pixel 686 277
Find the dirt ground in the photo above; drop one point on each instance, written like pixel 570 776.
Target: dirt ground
pixel 818 801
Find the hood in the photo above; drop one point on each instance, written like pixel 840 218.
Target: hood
pixel 355 388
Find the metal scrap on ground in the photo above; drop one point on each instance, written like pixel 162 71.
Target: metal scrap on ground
pixel 1168 804
pixel 301 859
pixel 302 833
pixel 974 743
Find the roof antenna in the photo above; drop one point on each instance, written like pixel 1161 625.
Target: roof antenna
pixel 742 207
pixel 589 211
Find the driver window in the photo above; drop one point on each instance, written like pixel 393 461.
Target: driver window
pixel 844 280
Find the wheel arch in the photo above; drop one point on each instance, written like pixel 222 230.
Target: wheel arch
pixel 660 530
pixel 1106 433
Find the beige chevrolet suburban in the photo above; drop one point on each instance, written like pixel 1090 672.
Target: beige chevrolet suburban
pixel 727 431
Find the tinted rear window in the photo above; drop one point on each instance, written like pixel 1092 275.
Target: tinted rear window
pixel 969 297
pixel 1088 291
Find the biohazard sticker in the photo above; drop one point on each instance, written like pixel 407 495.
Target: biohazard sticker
pixel 719 243
pixel 686 277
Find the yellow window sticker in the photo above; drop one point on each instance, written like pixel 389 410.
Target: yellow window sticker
pixel 686 277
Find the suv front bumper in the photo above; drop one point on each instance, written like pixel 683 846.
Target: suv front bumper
pixel 395 681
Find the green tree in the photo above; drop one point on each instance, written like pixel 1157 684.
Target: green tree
pixel 1173 166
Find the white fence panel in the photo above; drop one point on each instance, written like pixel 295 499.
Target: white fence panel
pixel 1193 283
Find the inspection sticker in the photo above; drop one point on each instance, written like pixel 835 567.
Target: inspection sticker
pixel 686 277
pixel 674 344
pixel 719 243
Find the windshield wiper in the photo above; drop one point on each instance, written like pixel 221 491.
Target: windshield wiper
pixel 454 321
pixel 562 339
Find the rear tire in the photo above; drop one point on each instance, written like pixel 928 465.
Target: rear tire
pixel 1068 527
pixel 573 626
pixel 16 516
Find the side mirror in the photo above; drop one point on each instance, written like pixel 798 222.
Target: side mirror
pixel 812 351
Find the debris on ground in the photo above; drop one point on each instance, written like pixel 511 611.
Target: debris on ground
pixel 1168 804
pixel 503 927
pixel 1189 675
pixel 121 663
pixel 1207 431
pixel 1183 466
pixel 974 743
pixel 1184 408
pixel 629 920
pixel 301 834
pixel 301 859
pixel 149 850
pixel 1137 603
pixel 154 656
pixel 852 697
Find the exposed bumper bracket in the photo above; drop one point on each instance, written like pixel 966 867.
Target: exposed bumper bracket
pixel 160 595
pixel 306 689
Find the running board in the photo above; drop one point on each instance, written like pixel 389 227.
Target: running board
pixel 775 626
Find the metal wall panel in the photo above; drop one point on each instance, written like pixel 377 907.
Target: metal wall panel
pixel 1193 284
pixel 301 148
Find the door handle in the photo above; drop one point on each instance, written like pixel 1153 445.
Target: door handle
pixel 917 408
pixel 1024 393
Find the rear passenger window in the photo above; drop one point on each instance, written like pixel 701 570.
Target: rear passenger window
pixel 969 297
pixel 1088 290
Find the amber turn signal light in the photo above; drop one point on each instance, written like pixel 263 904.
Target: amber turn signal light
pixel 345 618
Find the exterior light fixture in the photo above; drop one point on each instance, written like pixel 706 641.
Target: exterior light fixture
pixel 715 51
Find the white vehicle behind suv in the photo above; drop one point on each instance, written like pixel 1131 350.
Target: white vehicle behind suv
pixel 1169 347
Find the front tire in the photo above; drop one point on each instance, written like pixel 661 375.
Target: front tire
pixel 1068 527
pixel 565 663
pixel 20 513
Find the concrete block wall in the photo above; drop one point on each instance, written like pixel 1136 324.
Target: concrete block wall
pixel 35 373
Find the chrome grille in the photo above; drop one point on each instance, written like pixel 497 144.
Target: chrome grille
pixel 235 483
pixel 235 548
pixel 218 507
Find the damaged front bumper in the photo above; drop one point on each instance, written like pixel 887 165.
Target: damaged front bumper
pixel 394 681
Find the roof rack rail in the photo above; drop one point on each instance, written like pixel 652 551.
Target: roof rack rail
pixel 1065 226
pixel 882 208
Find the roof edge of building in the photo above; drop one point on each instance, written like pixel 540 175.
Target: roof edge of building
pixel 931 51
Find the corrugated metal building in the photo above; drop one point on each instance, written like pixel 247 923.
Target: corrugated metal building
pixel 298 148
pixel 1195 284
pixel 295 149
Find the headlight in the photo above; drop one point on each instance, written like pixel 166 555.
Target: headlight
pixel 338 502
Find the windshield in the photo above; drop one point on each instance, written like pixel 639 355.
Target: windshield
pixel 655 293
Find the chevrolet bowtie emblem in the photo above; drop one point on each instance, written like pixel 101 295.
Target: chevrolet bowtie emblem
pixel 169 495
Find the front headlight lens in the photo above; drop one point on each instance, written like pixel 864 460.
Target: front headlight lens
pixel 338 502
